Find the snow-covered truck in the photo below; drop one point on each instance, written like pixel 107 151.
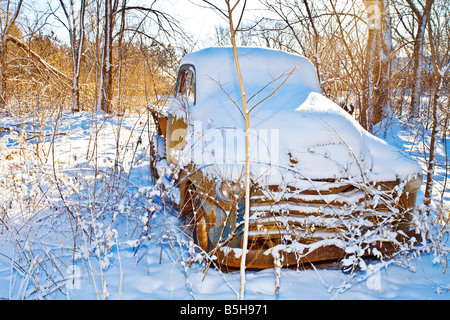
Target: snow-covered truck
pixel 322 187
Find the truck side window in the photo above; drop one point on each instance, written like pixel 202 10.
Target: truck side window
pixel 186 83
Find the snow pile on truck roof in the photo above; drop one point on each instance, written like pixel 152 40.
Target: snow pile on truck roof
pixel 293 126
pixel 263 70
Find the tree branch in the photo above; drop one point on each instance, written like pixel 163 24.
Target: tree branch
pixel 27 49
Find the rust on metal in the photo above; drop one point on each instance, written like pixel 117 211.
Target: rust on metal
pixel 273 225
pixel 262 259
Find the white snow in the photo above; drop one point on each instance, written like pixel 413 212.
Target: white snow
pixel 290 120
pixel 37 254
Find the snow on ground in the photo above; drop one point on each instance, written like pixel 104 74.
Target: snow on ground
pixel 81 186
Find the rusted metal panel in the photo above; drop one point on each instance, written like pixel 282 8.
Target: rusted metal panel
pixel 258 259
pixel 272 226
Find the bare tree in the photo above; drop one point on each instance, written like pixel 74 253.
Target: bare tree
pixel 120 54
pixel 161 22
pixel 76 43
pixel 232 7
pixel 418 55
pixel 105 87
pixel 316 41
pixel 441 64
pixel 6 23
pixel 233 29
pixel 328 31
pixel 378 62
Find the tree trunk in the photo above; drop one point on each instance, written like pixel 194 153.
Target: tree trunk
pixel 316 59
pixel 418 58
pixel 378 63
pixel 79 53
pixel 105 94
pixel 440 72
pixel 77 49
pixel 3 71
pixel 3 50
pixel 417 68
pixel 432 157
pixel 120 107
pixel 246 114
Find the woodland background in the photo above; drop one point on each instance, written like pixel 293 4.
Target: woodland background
pixel 102 62
pixel 386 58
